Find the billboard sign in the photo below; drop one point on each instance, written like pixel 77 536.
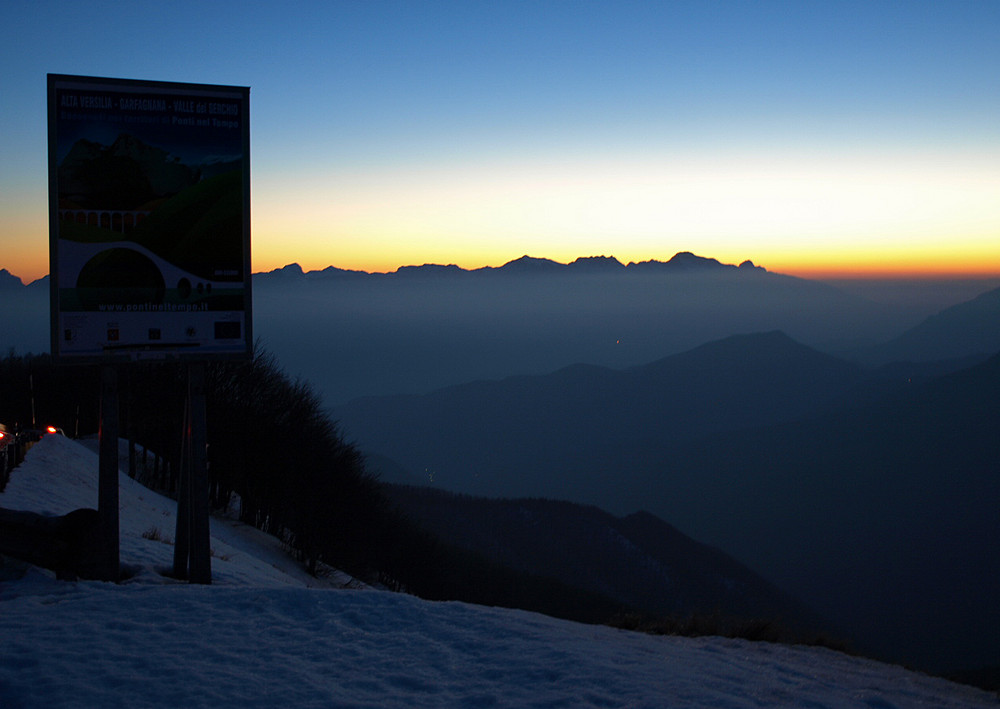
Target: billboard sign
pixel 149 219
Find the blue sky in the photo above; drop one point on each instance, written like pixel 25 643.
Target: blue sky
pixel 859 136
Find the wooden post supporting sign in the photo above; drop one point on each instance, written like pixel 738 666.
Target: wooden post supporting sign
pixel 107 482
pixel 192 549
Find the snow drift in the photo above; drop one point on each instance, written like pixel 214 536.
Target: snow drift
pixel 260 636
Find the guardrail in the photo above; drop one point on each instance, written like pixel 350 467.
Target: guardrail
pixel 14 445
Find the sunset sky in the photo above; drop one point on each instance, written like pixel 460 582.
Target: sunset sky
pixel 814 138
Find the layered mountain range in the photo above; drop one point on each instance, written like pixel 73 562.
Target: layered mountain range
pixel 682 262
pixel 420 328
pixel 872 494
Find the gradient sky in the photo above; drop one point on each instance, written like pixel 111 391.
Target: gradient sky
pixel 814 138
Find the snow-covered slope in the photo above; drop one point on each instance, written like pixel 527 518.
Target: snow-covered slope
pixel 259 636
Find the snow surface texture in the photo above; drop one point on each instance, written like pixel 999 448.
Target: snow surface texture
pixel 260 637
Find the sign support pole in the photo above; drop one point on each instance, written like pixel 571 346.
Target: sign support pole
pixel 182 536
pixel 107 483
pixel 192 548
pixel 201 553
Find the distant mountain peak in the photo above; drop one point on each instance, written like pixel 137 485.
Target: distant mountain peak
pixel 769 342
pixel 9 279
pixel 286 273
pixel 333 272
pixel 430 269
pixel 755 352
pixel 597 264
pixel 530 264
pixel 686 259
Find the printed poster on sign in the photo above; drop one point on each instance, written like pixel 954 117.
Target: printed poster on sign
pixel 149 213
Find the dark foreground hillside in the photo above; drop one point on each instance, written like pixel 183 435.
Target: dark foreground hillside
pixel 638 560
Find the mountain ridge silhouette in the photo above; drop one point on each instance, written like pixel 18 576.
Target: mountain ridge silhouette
pixel 638 559
pixel 681 262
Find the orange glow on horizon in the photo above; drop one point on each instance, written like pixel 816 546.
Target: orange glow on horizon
pixel 930 267
pixel 928 258
pixel 922 263
pixel 902 262
pixel 879 271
